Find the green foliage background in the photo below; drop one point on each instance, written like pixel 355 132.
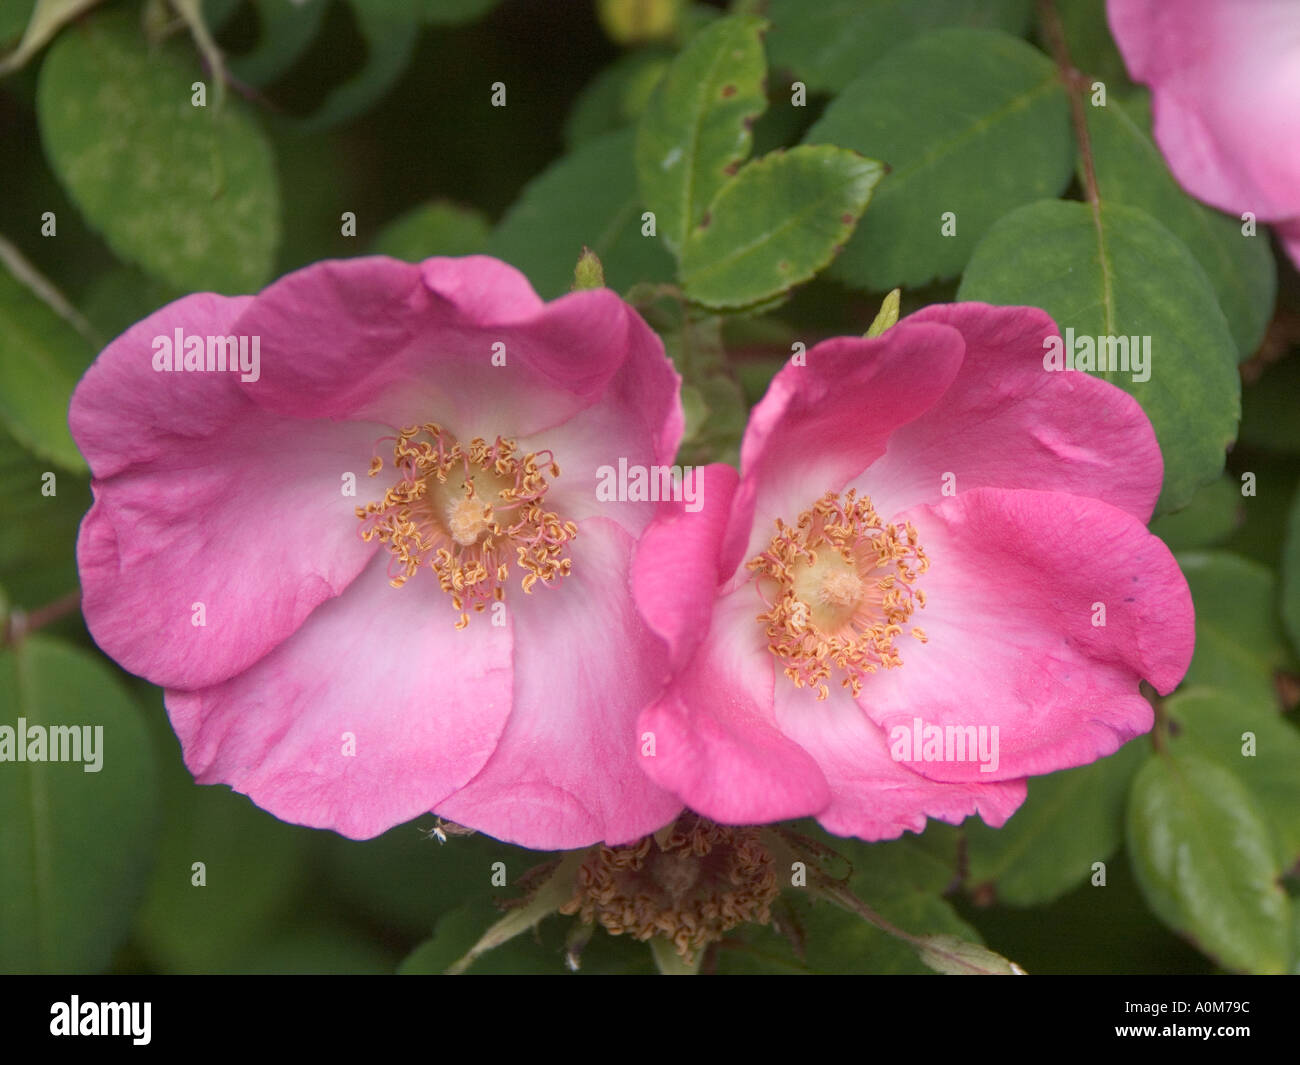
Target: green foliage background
pixel 779 224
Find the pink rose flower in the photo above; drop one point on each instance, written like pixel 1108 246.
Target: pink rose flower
pixel 931 580
pixel 455 635
pixel 1225 85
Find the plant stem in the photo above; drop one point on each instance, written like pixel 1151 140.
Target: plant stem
pixel 1074 82
pixel 44 290
pixel 19 623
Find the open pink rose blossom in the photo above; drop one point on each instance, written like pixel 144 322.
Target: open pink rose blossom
pixel 228 558
pixel 931 580
pixel 1225 83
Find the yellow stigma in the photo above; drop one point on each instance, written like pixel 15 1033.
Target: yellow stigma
pixel 839 587
pixel 469 513
pixel 468 518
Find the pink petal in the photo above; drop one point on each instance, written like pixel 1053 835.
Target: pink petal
pixel 637 417
pixel 825 422
pixel 675 572
pixel 566 772
pixel 716 742
pixel 201 497
pixel 872 795
pixel 425 703
pixel 1225 81
pixel 184 513
pixel 376 339
pixel 481 288
pixel 1006 422
pixel 1014 583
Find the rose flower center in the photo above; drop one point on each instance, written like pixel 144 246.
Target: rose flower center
pixel 839 586
pixel 470 513
pixel 691 884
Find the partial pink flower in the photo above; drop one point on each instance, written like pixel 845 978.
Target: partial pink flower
pixel 456 633
pixel 1225 84
pixel 931 579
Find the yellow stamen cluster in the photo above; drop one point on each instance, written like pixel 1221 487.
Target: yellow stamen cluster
pixel 839 587
pixel 691 885
pixel 467 512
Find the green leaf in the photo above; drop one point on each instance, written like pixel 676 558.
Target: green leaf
pixel 1205 861
pixel 459 931
pixel 900 879
pixel 1116 272
pixel 754 376
pixel 41 359
pixel 455 934
pixel 1268 407
pixel 715 421
pixel 14 18
pixel 120 296
pixel 76 844
pixel 1088 930
pixel 1092 50
pixel 218 13
pixel 917 912
pixel 406 879
pixel 832 941
pixel 286 31
pixel 550 893
pixel 455 12
pixel 1291 574
pixel 1214 723
pixel 187 193
pixel 616 96
pixel 1070 820
pixel 828 44
pixel 587 199
pixel 438 228
pixel 1238 643
pixel 714 406
pixel 38 538
pixel 1130 170
pixel 954 956
pixel 926 863
pixel 540 951
pixel 391 29
pixel 971 122
pixel 253 867
pixel 695 131
pixel 1208 519
pixel 1268 483
pixel 47 18
pixel 316 947
pixel 776 224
